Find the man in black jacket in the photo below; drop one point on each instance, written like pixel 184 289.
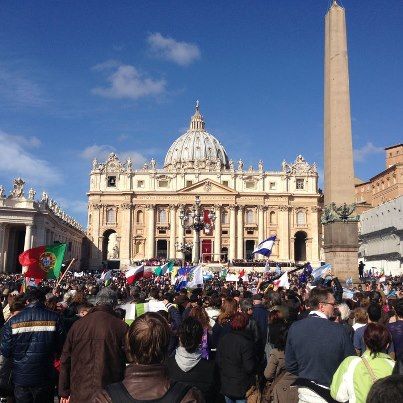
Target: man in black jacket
pixel 32 339
pixel 316 346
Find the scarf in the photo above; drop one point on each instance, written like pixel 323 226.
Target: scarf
pixel 186 361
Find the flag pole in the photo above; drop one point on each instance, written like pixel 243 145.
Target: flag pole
pixel 62 276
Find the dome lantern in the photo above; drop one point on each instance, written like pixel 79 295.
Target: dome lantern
pixel 196 148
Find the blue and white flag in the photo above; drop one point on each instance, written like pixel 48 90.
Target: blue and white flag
pixel 195 277
pixel 265 247
pixel 320 271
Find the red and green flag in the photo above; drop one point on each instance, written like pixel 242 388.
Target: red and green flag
pixel 43 261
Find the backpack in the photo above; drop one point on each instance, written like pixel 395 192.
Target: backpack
pixel 175 394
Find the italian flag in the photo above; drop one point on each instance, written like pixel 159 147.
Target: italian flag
pixel 43 261
pixel 134 274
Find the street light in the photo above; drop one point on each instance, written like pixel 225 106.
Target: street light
pixel 195 220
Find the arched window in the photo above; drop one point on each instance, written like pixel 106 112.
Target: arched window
pixel 140 217
pixel 224 217
pixel 300 218
pixel 162 216
pixel 249 217
pixel 272 217
pixel 110 216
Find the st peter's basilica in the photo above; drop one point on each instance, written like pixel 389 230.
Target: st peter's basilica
pixel 135 214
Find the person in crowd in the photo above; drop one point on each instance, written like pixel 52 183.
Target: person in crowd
pixel 146 378
pixel 360 318
pixel 355 375
pixel 260 314
pixel 194 301
pixel 388 389
pixel 222 326
pixel 213 308
pixel 188 364
pixel 172 310
pixel 246 306
pixel 396 330
pixel 199 313
pixel 343 318
pixel 93 354
pixel 374 313
pixel 236 358
pixel 278 388
pixel 312 339
pixel 32 339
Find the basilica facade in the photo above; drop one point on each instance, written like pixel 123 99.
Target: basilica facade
pixel 135 214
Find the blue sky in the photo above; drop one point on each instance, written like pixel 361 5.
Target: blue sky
pixel 79 79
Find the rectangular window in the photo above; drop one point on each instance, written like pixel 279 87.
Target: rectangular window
pixel 162 231
pixel 188 231
pixel 250 232
pixel 225 183
pixel 249 185
pixel 140 184
pixel 163 184
pixel 300 184
pixel 111 181
pixel 272 185
pixel 224 232
pixel 189 183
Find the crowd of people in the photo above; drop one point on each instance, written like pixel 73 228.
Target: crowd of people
pixel 245 341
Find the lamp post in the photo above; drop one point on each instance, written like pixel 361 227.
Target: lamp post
pixel 195 220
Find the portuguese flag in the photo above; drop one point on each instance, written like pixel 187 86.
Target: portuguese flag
pixel 44 261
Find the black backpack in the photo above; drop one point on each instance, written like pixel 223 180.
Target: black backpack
pixel 175 394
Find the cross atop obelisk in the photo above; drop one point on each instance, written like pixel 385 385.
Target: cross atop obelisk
pixel 338 148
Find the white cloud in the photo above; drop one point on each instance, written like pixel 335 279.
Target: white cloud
pixel 106 65
pixel 182 53
pixel 127 82
pixel 101 152
pixel 16 88
pixel 16 160
pixel 72 206
pixel 361 154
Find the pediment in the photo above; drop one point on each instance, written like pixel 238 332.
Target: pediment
pixel 207 186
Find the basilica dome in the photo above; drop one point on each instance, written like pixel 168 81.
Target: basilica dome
pixel 196 148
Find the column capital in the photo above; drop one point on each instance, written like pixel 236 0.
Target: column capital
pixel 241 208
pixel 172 207
pixel 150 207
pixel 232 207
pixel 284 207
pixel 126 206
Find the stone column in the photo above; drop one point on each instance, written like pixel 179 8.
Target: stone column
pixel 232 233
pixel 217 234
pixel 2 246
pixel 314 225
pixel 240 231
pixel 28 237
pixel 181 233
pixel 260 229
pixel 196 247
pixel 126 234
pixel 150 241
pixel 284 225
pixel 172 231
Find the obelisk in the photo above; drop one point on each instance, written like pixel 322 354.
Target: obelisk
pixel 338 153
pixel 340 226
